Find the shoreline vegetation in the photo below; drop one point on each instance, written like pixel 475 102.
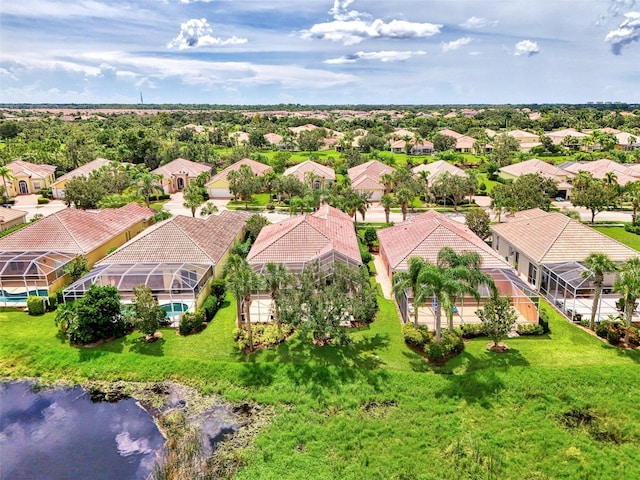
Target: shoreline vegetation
pixel 376 409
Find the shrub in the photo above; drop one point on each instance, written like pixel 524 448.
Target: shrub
pixel 42 201
pixel 210 307
pixel 53 301
pixel 415 336
pixel 472 330
pixel 613 336
pixel 450 344
pixel 543 320
pixel 191 322
pixel 529 329
pixel 634 336
pixel 271 207
pixel 366 256
pixel 218 289
pixel 98 316
pixel 35 305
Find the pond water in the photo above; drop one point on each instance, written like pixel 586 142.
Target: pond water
pixel 62 434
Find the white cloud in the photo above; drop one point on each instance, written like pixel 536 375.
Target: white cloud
pixel 355 31
pixel 627 33
pixel 340 11
pixel 456 44
pixel 526 48
pixel 6 73
pixel 128 446
pixel 195 1
pixel 384 56
pixel 478 22
pixel 198 33
pixel 63 9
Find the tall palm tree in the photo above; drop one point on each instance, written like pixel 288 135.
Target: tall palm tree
pixel 149 183
pixel 387 201
pixel 409 280
pixel 6 174
pixel 628 286
pixel 404 196
pixel 276 277
pixel 241 281
pixel 632 194
pixel 597 264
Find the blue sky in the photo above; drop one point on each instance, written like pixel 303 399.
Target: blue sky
pixel 319 51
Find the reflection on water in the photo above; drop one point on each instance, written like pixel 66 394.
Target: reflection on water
pixel 61 434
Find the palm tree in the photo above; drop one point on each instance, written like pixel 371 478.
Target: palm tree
pixel 276 277
pixel 149 183
pixel 628 286
pixel 610 179
pixel 6 174
pixel 409 281
pixel 387 201
pixel 193 197
pixel 208 208
pixel 632 194
pixel 241 280
pixel 597 265
pixel 404 196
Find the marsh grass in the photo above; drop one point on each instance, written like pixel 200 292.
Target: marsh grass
pixel 375 409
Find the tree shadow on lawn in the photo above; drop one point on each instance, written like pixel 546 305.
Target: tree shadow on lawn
pixel 480 380
pixel 139 345
pixel 318 368
pixel 91 353
pixel 633 355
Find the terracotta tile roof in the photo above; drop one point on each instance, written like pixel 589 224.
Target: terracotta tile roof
pixel 465 142
pixel 257 168
pixel 10 214
pixel 537 166
pixel 183 239
pixel 85 170
pixel 599 169
pixel 75 231
pixel 367 176
pixel 182 166
pixel 300 169
pixel 566 132
pixel 523 136
pixel 273 138
pixel 555 238
pixel 437 168
pixel 305 238
pixel 451 133
pixel 20 168
pixel 426 234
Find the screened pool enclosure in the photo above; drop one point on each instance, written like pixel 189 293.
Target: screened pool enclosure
pixel 176 286
pixel 30 273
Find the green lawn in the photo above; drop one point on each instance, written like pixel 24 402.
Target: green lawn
pixel 376 410
pixel 621 235
pixel 257 200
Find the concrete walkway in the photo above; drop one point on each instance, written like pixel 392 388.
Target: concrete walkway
pixel 382 277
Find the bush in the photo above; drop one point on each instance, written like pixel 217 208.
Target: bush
pixel 602 328
pixel 472 330
pixel 632 229
pixel 218 290
pixel 450 344
pixel 634 336
pixel 191 322
pixel 42 201
pixel 543 321
pixel 210 307
pixel 53 301
pixel 416 336
pixel 614 335
pixel 529 329
pixel 35 305
pixel 263 335
pixel 366 256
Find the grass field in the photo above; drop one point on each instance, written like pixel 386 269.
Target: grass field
pixel 376 410
pixel 621 235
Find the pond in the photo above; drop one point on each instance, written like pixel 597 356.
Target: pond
pixel 62 434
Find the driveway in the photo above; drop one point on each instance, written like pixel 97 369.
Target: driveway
pixel 29 204
pixel 382 277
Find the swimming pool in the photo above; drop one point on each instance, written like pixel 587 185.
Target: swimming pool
pixel 174 308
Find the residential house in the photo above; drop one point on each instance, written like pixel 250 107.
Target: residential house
pixel 28 177
pixel 57 188
pixel 559 137
pixel 437 168
pixel 627 141
pixel 600 169
pixel 548 250
pixel 177 259
pixel 423 147
pixel 10 217
pixel 316 174
pixel 423 236
pixel 451 133
pixel 367 177
pixel 465 144
pixel 325 236
pixel 273 139
pixel 218 185
pixel 179 173
pixel 32 259
pixel 562 178
pixel 239 138
pixel 398 146
pixel 526 140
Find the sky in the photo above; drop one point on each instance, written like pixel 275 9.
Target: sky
pixel 312 52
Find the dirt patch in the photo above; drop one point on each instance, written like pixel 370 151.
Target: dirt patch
pixel 500 348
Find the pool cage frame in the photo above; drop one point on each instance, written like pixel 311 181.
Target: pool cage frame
pixel 172 282
pixel 30 273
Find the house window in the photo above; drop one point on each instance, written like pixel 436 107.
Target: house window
pixel 517 258
pixel 316 184
pixel 36 185
pixel 127 235
pixel 533 274
pixel 497 243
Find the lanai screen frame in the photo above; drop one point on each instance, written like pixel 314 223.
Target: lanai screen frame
pixel 32 270
pixel 568 284
pixel 189 289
